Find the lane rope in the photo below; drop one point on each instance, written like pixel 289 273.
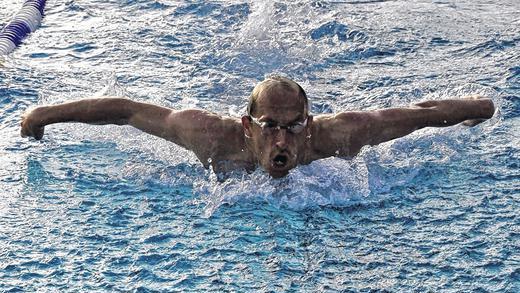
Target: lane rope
pixel 26 21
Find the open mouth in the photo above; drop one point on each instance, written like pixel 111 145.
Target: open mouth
pixel 280 161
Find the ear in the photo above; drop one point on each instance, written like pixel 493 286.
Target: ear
pixel 310 118
pixel 246 125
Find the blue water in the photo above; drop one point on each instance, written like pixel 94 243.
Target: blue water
pixel 107 208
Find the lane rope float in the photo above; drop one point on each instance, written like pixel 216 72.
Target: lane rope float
pixel 24 22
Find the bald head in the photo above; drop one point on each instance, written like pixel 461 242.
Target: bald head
pixel 276 84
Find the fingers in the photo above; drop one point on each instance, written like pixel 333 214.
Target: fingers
pixel 28 129
pixel 24 132
pixel 36 133
pixel 475 97
pixel 473 122
pixel 39 133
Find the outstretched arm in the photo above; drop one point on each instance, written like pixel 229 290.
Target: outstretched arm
pixel 190 129
pixel 356 129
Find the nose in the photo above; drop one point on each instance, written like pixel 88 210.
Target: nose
pixel 281 139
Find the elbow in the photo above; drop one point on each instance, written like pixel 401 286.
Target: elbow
pixel 125 110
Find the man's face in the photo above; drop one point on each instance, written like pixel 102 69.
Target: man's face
pixel 278 149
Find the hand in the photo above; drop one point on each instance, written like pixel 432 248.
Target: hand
pixel 473 122
pixel 487 109
pixel 29 125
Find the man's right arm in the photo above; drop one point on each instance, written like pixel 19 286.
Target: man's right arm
pixel 186 128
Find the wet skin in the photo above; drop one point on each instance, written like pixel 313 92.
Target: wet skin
pixel 278 150
pixel 227 143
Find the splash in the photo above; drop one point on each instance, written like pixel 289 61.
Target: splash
pixel 295 38
pixel 260 24
pixel 327 182
pixel 112 88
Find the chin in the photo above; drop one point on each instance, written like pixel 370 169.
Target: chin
pixel 279 171
pixel 278 174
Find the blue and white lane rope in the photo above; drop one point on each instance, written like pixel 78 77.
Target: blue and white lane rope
pixel 25 22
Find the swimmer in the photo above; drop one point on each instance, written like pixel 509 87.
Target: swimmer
pixel 278 133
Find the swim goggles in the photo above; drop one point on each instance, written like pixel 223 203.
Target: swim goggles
pixel 269 127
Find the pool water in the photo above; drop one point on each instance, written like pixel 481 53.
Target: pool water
pixel 107 208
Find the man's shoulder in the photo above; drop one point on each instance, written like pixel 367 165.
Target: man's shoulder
pixel 335 134
pixel 229 150
pixel 206 121
pixel 226 138
pixel 343 122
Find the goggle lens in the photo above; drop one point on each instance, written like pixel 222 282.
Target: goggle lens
pixel 270 127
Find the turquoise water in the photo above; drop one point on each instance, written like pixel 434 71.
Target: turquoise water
pixel 107 208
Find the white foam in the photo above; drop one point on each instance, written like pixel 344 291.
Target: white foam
pixel 260 23
pixel 332 181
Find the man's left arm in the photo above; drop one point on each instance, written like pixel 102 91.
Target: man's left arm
pixel 374 127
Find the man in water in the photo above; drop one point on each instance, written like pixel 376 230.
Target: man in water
pixel 278 133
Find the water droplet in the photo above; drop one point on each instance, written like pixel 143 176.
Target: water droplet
pixel 337 152
pixel 445 121
pixel 209 160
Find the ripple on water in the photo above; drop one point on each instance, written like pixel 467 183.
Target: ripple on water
pixel 338 30
pixel 488 48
